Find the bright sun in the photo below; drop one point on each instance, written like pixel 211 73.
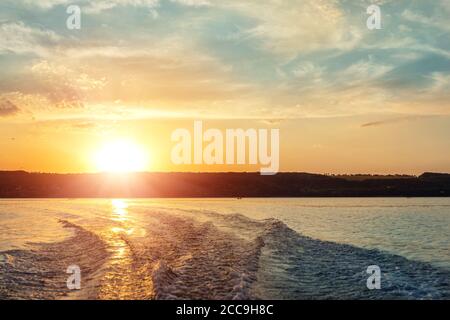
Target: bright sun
pixel 121 156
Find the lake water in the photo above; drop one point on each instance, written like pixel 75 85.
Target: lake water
pixel 299 248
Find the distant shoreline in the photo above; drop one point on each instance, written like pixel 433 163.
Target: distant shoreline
pixel 228 198
pixel 21 184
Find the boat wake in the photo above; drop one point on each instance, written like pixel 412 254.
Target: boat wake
pixel 207 255
pixel 41 273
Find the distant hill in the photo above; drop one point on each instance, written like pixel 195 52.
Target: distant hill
pixel 360 177
pixel 21 184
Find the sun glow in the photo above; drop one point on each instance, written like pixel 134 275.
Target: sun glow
pixel 121 156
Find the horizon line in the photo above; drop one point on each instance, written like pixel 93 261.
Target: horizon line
pixel 220 172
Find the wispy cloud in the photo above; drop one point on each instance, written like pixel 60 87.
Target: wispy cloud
pixel 7 108
pixel 17 37
pixel 292 27
pixel 393 121
pixel 436 22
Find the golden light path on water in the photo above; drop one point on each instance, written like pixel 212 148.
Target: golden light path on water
pixel 120 214
pixel 119 281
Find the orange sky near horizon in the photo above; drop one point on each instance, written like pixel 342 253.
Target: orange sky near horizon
pixel 308 145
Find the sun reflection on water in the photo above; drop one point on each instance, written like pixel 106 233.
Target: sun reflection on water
pixel 120 210
pixel 118 284
pixel 120 216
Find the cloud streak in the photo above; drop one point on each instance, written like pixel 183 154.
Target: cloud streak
pixel 7 108
pixel 18 38
pixel 392 121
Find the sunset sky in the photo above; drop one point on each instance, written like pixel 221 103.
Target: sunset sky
pixel 346 99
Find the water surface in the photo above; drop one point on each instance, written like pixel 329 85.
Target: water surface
pixel 309 248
